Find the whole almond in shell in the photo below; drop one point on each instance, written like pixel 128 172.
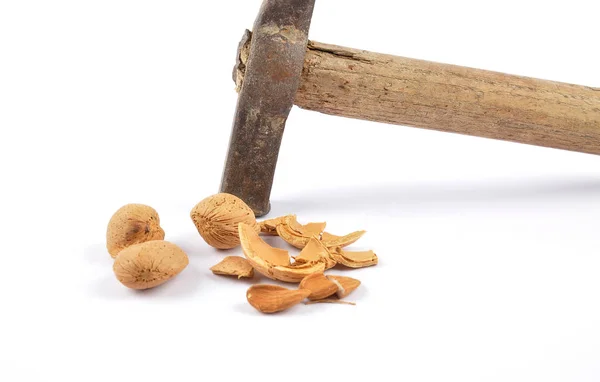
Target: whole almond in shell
pixel 146 265
pixel 132 224
pixel 217 217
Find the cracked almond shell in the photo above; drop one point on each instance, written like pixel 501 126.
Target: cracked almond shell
pixel 132 224
pixel 217 217
pixel 269 226
pixel 274 298
pixel 274 262
pixel 354 259
pixel 233 266
pixel 315 251
pixel 332 241
pixel 297 234
pixel 305 230
pixel 147 265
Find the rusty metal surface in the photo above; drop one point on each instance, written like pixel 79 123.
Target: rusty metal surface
pixel 272 77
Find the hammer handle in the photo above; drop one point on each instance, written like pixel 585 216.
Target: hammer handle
pixel 384 88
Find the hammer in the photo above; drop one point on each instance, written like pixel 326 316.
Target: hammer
pixel 277 67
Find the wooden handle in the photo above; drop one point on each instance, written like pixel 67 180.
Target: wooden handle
pixel 383 88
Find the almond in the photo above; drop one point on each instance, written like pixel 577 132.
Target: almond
pixel 149 264
pixel 345 285
pixel 217 217
pixel 274 298
pixel 132 224
pixel 320 287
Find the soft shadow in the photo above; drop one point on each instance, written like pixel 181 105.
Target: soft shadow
pixel 97 254
pixel 417 197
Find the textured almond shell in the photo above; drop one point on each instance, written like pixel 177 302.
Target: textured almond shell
pixel 217 217
pixel 149 264
pixel 233 266
pixel 274 298
pixel 132 224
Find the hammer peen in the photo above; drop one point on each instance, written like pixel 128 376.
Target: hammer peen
pixel 278 67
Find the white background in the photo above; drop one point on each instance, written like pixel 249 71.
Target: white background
pixel 489 251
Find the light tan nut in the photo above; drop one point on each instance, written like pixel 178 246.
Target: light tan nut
pixel 274 298
pixel 315 251
pixel 354 259
pixel 344 284
pixel 320 287
pixel 269 227
pixel 274 262
pixel 332 241
pixel 217 218
pixel 234 266
pixel 149 264
pixel 132 224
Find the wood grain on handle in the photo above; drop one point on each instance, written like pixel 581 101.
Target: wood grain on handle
pixel 383 88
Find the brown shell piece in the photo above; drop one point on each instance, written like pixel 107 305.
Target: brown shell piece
pixel 274 262
pixel 132 224
pixel 345 285
pixel 319 286
pixel 332 241
pixel 306 230
pixel 296 272
pixel 149 264
pixel 217 217
pixel 291 237
pixel 274 298
pixel 269 227
pixel 315 251
pixel 297 234
pixel 354 259
pixel 234 266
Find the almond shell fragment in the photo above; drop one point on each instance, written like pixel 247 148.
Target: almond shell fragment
pixel 269 226
pixel 274 262
pixel 234 266
pixel 354 259
pixel 332 241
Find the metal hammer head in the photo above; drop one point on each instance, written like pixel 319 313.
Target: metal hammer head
pixel 272 77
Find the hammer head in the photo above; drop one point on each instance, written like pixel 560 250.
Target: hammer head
pixel 272 77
